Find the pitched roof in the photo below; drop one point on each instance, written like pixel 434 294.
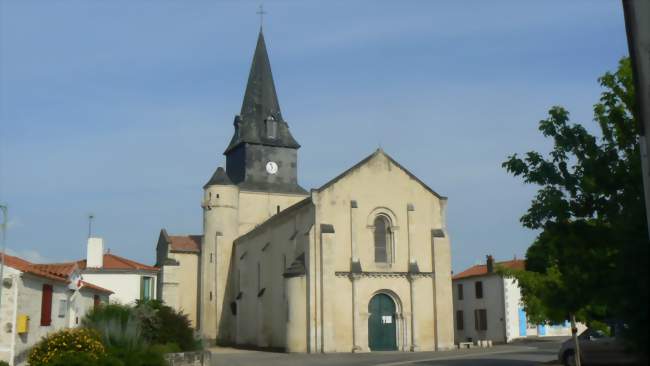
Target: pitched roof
pixel 481 269
pixel 393 161
pixel 28 267
pixel 219 178
pixel 53 271
pixel 90 286
pixel 260 103
pixel 185 243
pixel 112 261
pixel 62 270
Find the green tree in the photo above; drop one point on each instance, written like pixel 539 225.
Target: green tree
pixel 590 257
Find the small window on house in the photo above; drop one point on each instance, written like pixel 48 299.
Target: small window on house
pixel 46 305
pixel 63 308
pixel 96 301
pixel 383 240
pixel 210 295
pixel 460 322
pixel 478 287
pixel 210 257
pixel 146 288
pixel 480 319
pixel 460 291
pixel 277 209
pixel 217 195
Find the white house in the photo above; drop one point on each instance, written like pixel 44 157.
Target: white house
pixel 38 299
pixel 488 306
pixel 129 280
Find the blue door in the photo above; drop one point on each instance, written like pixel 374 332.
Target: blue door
pixel 522 322
pixel 541 330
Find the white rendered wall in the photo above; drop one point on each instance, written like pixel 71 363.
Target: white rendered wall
pixel 29 303
pixel 8 314
pixel 125 286
pixel 513 303
pixel 492 301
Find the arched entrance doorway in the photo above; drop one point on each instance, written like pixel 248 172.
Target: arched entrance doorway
pixel 381 324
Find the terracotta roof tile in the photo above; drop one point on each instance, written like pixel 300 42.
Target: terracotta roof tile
pixel 28 267
pixel 63 270
pixel 112 261
pixel 481 269
pixel 185 243
pixel 87 285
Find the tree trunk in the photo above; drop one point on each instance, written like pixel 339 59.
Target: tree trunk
pixel 574 334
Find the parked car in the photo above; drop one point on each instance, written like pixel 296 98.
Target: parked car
pixel 597 348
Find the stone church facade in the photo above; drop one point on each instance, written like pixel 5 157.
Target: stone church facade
pixel 360 264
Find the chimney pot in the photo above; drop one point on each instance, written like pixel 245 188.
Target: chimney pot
pixel 490 264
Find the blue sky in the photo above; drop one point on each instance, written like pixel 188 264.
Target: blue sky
pixel 124 108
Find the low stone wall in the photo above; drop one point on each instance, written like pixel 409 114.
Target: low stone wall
pixel 198 358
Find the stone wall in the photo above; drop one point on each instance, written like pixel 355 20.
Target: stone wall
pixel 199 358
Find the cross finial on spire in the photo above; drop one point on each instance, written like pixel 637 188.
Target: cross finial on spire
pixel 261 12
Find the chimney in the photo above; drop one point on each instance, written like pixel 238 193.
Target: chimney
pixel 95 253
pixel 490 264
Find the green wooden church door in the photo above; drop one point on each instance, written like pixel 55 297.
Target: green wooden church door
pixel 381 324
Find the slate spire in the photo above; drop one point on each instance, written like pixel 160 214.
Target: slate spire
pixel 260 106
pixel 260 99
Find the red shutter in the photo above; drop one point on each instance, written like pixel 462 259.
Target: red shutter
pixel 46 305
pixel 96 301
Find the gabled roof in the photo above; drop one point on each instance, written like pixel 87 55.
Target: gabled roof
pixel 28 267
pixel 63 270
pixel 393 161
pixel 90 286
pixel 481 269
pixel 59 272
pixel 113 262
pixel 260 103
pixel 185 243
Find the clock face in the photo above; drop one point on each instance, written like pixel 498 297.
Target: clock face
pixel 271 167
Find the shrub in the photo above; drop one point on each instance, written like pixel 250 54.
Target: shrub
pixel 78 341
pixel 121 329
pixel 84 359
pixel 117 325
pixel 4 363
pixel 162 324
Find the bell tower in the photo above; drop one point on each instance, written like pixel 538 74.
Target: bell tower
pixel 262 154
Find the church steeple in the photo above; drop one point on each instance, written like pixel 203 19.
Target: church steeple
pixel 261 135
pixel 260 120
pixel 260 99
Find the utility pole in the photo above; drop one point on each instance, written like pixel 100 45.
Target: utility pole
pixel 3 238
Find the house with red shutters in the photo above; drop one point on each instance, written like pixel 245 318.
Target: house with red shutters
pixel 38 299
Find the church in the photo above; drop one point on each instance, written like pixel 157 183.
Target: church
pixel 360 264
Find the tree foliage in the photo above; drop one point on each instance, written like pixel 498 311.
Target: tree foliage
pixel 590 257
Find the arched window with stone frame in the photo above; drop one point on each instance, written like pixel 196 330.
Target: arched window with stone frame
pixel 383 239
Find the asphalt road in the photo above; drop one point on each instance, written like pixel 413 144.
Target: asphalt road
pixel 525 353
